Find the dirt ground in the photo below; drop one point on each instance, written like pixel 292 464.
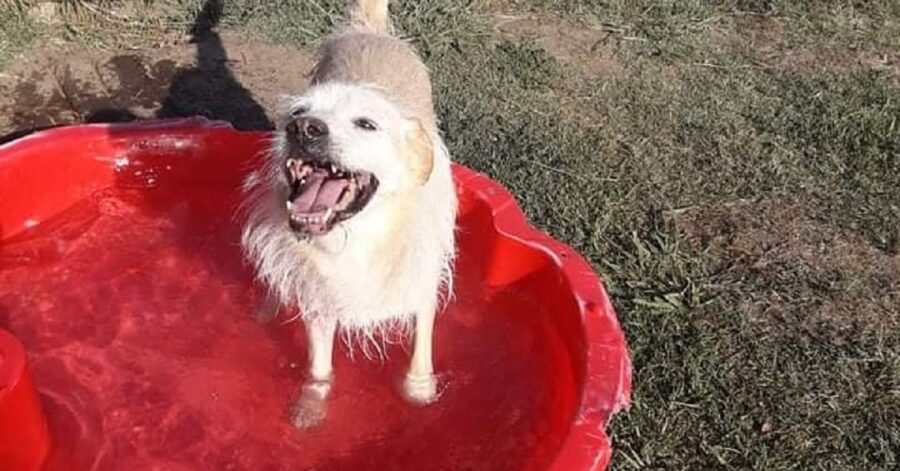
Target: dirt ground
pixel 588 50
pixel 222 77
pixel 811 280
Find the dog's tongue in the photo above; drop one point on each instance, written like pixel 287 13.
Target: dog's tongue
pixel 319 194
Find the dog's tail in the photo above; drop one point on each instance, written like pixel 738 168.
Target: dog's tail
pixel 370 16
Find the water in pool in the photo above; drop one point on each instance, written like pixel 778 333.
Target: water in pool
pixel 137 314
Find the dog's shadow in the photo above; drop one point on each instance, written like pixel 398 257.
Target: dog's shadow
pixel 206 88
pixel 210 89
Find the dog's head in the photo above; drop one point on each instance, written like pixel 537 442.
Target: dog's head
pixel 345 149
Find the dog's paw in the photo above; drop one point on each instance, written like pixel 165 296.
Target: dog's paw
pixel 309 410
pixel 420 389
pixel 308 413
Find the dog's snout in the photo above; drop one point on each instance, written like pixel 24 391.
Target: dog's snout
pixel 313 128
pixel 308 130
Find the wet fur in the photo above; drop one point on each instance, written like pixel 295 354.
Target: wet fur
pixel 389 265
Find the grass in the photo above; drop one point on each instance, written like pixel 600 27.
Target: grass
pixel 713 390
pixel 675 28
pixel 434 26
pixel 16 33
pixel 713 107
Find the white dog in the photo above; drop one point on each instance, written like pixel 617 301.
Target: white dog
pixel 351 220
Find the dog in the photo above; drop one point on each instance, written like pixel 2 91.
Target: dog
pixel 351 218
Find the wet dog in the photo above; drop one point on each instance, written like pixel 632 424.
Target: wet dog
pixel 351 219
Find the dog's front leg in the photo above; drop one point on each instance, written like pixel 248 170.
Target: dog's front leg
pixel 420 385
pixel 310 408
pixel 267 310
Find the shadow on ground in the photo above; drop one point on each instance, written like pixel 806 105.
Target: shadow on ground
pixel 129 87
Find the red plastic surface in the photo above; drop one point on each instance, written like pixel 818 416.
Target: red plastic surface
pixel 23 429
pixel 121 273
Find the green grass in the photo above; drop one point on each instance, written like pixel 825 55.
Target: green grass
pixel 434 26
pixel 693 121
pixel 16 33
pixel 708 380
pixel 677 30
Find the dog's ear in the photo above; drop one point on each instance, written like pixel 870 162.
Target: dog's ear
pixel 420 151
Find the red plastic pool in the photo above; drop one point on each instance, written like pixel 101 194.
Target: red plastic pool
pixel 121 276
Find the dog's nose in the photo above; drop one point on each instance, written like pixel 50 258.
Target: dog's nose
pixel 307 129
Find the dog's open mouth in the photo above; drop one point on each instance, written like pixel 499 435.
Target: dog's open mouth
pixel 323 194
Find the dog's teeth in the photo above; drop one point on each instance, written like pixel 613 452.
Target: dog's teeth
pixel 312 218
pixel 289 205
pixel 290 163
pixel 345 199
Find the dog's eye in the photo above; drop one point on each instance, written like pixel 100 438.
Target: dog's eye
pixel 299 112
pixel 365 123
